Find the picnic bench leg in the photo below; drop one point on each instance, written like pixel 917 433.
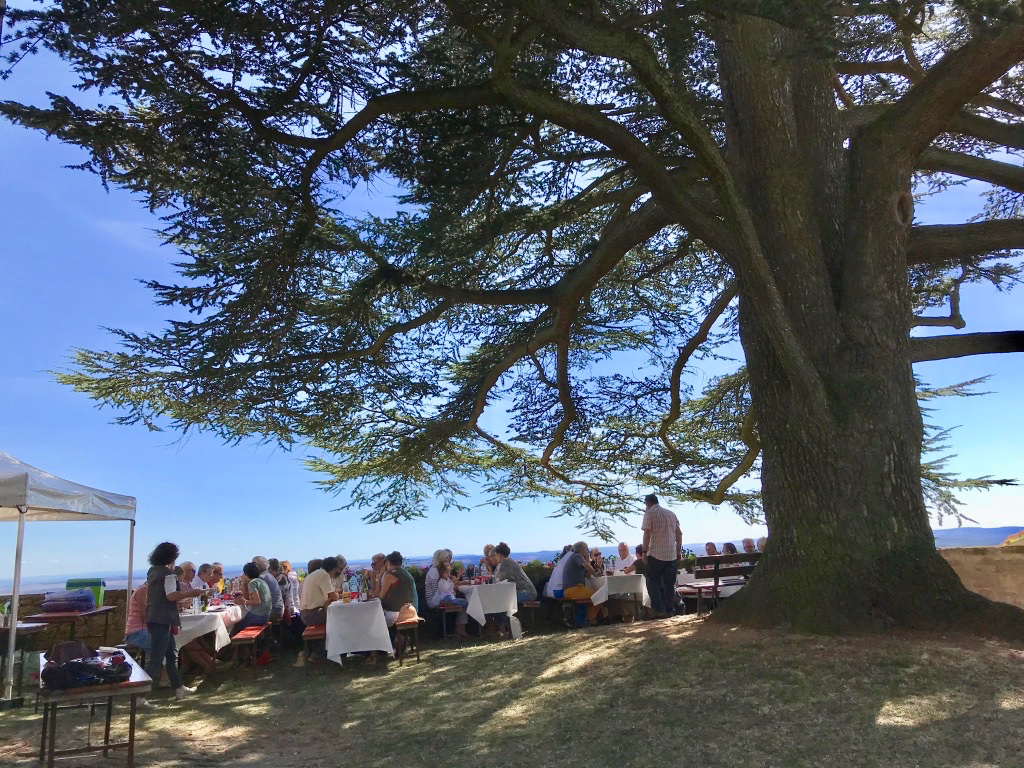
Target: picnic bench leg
pixel 131 731
pixel 53 735
pixel 21 671
pixel 42 736
pixel 106 727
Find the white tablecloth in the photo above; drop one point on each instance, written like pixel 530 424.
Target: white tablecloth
pixel 353 627
pixel 605 586
pixel 490 598
pixel 218 622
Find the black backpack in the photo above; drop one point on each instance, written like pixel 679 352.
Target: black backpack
pixel 73 664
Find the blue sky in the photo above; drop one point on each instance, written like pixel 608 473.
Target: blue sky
pixel 71 256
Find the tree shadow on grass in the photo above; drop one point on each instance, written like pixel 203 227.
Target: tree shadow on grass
pixel 678 692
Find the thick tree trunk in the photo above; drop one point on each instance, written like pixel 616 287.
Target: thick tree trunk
pixel 850 545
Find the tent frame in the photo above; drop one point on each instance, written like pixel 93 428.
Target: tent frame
pixel 45 497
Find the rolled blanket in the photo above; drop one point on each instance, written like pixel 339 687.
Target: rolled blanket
pixel 69 600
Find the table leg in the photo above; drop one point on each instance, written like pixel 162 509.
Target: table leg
pixel 53 735
pixel 106 727
pixel 42 736
pixel 131 732
pixel 21 671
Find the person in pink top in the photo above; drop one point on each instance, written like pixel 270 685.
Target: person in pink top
pixel 135 632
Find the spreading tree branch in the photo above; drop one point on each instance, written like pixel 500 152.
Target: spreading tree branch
pixel 959 77
pixel 942 243
pixel 965 344
pixel 717 496
pixel 685 353
pixel 973 167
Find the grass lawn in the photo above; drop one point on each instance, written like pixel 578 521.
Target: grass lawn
pixel 678 692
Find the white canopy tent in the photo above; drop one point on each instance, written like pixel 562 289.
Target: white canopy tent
pixel 27 493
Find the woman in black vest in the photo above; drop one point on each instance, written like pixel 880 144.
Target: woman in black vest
pixel 162 619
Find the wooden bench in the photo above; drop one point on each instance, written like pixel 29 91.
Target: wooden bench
pixel 570 609
pixel 250 637
pixel 724 570
pixel 532 607
pixel 312 636
pixel 444 610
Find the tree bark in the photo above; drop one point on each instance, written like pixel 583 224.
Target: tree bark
pixel 850 544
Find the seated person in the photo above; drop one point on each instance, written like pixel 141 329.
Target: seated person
pixel 276 598
pixel 318 591
pixel 218 574
pixel 396 588
pixel 762 543
pixel 574 578
pixel 729 548
pixel 597 561
pixel 639 562
pixel 255 596
pixel 510 570
pixel 183 586
pixel 341 578
pixel 446 596
pixel 433 574
pixel 293 584
pixel 626 560
pixel 748 546
pixel 711 549
pixel 135 632
pixel 487 561
pixel 553 587
pixel 375 574
pixel 205 578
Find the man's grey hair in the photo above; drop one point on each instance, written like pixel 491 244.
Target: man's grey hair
pixel 744 542
pixel 379 557
pixel 580 547
pixel 205 567
pixel 342 561
pixel 261 563
pixel 187 564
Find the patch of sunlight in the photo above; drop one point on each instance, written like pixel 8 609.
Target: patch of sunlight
pixel 913 711
pixel 1010 701
pixel 580 658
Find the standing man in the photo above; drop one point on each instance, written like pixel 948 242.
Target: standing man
pixel 662 542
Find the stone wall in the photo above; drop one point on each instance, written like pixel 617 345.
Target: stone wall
pixel 88 630
pixel 995 572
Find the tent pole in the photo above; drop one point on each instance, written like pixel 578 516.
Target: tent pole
pixel 12 640
pixel 131 556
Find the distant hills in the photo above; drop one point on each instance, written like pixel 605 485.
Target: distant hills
pixel 944 537
pixel 973 537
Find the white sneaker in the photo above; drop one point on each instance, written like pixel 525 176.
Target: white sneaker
pixel 301 660
pixel 146 703
pixel 183 692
